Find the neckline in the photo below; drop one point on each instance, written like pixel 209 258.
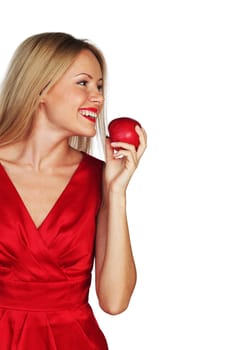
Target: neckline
pixel 54 205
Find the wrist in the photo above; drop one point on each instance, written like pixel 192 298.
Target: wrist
pixel 116 190
pixel 113 194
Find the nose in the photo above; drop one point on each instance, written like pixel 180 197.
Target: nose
pixel 97 97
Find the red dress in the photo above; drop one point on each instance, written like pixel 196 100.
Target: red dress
pixel 45 272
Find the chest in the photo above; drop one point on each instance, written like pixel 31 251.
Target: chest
pixel 39 192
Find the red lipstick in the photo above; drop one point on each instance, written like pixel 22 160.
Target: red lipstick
pixel 89 113
pixel 91 109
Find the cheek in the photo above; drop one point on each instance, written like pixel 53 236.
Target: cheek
pixel 74 100
pixel 64 101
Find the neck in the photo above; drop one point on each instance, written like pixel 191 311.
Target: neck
pixel 43 148
pixel 41 153
pixel 46 146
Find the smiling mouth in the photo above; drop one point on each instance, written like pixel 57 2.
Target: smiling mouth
pixel 89 114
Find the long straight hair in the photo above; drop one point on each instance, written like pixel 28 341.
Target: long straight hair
pixel 37 64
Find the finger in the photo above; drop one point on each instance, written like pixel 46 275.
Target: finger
pixel 124 145
pixel 127 154
pixel 143 141
pixel 142 135
pixel 141 132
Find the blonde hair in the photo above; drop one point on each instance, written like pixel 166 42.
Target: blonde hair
pixel 38 63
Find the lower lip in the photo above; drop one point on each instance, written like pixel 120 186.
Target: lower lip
pixel 91 119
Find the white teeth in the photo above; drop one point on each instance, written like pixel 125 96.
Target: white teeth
pixel 87 113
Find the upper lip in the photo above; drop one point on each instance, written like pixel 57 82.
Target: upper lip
pixel 93 111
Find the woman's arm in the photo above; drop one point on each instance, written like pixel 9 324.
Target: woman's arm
pixel 115 266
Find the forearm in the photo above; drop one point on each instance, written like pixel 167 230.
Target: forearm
pixel 116 272
pixel 115 267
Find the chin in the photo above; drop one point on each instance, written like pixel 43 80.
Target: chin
pixel 86 133
pixel 91 133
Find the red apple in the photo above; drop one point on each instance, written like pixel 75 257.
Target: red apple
pixel 123 130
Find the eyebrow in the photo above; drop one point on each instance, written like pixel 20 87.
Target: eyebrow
pixel 88 75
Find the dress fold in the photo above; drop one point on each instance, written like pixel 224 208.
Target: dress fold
pixel 45 271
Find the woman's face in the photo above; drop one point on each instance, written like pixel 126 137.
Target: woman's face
pixel 73 104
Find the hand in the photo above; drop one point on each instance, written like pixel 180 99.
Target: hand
pixel 121 164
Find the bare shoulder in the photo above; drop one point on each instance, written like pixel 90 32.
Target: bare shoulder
pixel 7 154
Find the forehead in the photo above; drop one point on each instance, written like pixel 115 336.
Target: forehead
pixel 85 62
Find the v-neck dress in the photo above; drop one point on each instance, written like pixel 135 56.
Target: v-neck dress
pixel 45 272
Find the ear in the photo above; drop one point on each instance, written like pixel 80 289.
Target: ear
pixel 42 96
pixel 41 100
pixel 42 91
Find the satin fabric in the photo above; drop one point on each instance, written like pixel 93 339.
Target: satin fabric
pixel 45 272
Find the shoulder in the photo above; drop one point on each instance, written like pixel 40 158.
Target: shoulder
pixel 92 170
pixel 93 161
pixel 94 167
pixel 7 153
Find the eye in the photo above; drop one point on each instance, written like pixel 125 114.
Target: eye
pixel 100 87
pixel 82 82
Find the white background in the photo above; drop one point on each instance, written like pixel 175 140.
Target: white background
pixel 170 66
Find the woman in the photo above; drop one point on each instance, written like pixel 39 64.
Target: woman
pixel 62 209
